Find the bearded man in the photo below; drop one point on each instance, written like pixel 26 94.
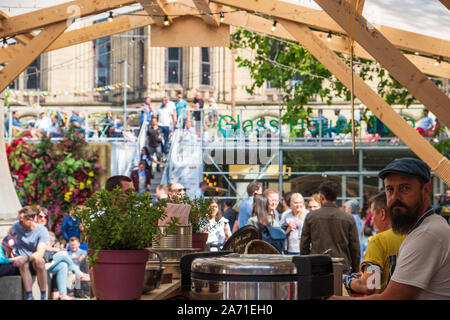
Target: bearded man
pixel 423 262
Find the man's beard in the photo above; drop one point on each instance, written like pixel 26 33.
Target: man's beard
pixel 403 220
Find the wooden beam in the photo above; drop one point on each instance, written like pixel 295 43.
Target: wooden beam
pixel 421 147
pixel 64 12
pixel 446 3
pixel 424 64
pixel 22 38
pixel 238 19
pixel 391 59
pixel 360 6
pixel 208 12
pixel 320 20
pixel 89 33
pixel 156 9
pixel 338 43
pixel 31 51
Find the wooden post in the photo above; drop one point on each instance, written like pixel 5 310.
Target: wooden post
pixel 436 161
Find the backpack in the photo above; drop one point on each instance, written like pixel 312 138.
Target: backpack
pixel 274 236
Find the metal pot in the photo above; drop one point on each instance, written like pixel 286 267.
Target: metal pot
pixel 261 277
pixel 153 275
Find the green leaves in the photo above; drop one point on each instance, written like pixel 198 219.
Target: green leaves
pixel 281 62
pixel 122 221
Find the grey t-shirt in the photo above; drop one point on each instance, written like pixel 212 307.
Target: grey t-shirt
pixel 423 259
pixel 27 241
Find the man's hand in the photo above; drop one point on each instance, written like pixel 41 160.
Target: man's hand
pixel 20 261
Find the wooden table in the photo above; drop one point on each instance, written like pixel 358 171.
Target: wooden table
pixel 165 291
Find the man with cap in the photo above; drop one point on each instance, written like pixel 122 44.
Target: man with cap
pixel 423 263
pixel 7 258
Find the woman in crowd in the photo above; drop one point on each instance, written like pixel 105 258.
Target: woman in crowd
pixel 314 202
pixel 218 229
pixel 260 213
pixel 292 223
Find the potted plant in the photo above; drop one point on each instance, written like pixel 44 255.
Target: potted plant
pixel 199 216
pixel 118 227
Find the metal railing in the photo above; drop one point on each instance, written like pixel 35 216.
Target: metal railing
pixel 94 122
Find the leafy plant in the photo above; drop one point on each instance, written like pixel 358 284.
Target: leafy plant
pixel 299 77
pixel 121 221
pixel 200 212
pixel 54 175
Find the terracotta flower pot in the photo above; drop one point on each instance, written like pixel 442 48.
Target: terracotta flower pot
pixel 199 240
pixel 119 274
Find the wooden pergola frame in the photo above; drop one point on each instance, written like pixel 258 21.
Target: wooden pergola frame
pixel 378 43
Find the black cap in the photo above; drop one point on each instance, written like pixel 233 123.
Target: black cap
pixel 409 167
pixel 10 242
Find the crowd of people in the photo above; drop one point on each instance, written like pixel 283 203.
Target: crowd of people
pixel 401 251
pixel 51 124
pixel 30 249
pixel 407 255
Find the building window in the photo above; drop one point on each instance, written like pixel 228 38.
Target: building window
pixel 33 78
pixel 174 65
pixel 102 48
pixel 206 67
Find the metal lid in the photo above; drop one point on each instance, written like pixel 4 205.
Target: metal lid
pixel 250 264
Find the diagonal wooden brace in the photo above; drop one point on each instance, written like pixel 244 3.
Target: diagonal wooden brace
pixel 390 58
pixel 30 52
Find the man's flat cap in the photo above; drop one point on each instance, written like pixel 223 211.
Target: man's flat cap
pixel 408 167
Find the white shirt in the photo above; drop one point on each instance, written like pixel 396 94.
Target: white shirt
pixel 423 259
pixel 217 230
pixel 165 115
pixel 44 124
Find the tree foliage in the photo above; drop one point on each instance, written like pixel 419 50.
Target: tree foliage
pixel 289 67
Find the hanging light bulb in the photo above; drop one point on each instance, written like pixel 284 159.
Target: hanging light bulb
pixel 110 18
pixel 166 20
pixel 274 26
pixel 222 17
pixel 5 43
pixel 438 61
pixel 329 36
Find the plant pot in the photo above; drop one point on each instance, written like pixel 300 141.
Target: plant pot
pixel 119 274
pixel 199 240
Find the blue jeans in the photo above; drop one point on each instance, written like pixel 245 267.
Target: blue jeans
pixel 61 265
pixel 165 131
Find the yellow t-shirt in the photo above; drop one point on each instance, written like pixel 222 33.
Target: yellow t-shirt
pixel 382 251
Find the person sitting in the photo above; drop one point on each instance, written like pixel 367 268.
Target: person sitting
pixel 32 241
pixel 380 257
pixel 16 126
pixel 118 127
pixel 43 125
pixel 141 178
pixel 7 259
pixel 77 121
pixel 59 263
pixel 218 229
pixel 426 125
